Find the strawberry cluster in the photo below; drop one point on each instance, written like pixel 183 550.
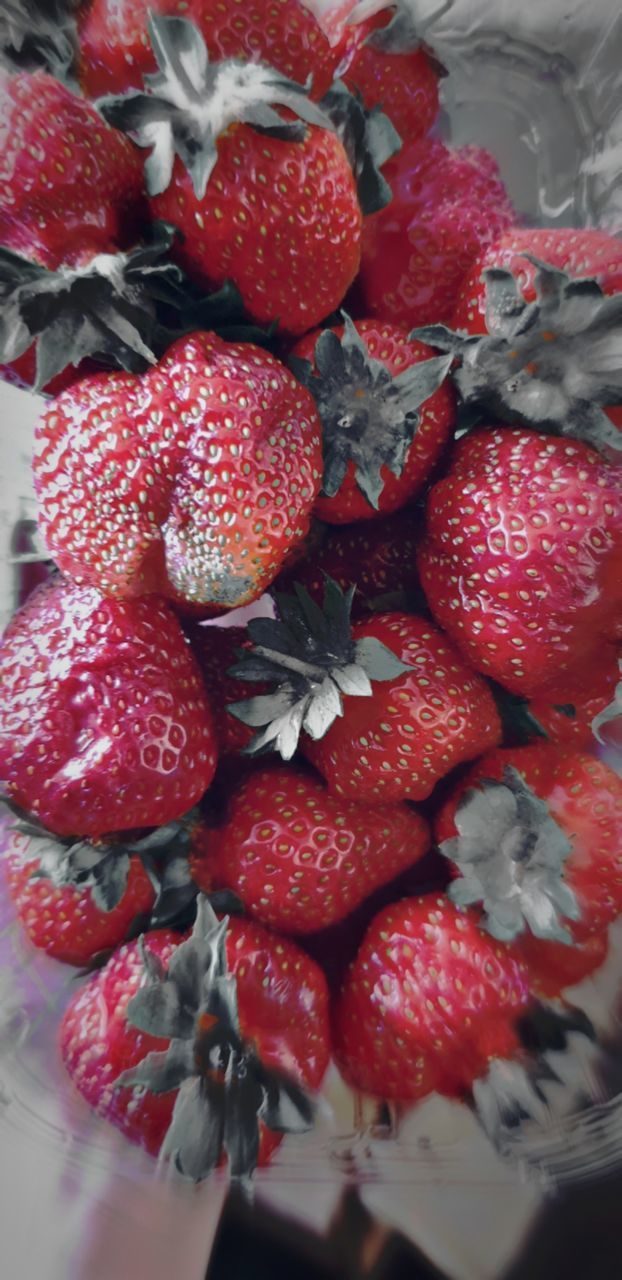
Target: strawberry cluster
pixel 296 349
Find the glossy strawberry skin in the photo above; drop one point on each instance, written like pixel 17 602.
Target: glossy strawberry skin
pixel 584 797
pixel 293 257
pixel 522 560
pixel 588 691
pixel 68 182
pixel 399 742
pixel 199 493
pixel 427 1003
pixel 215 649
pixel 390 345
pixel 446 207
pixel 283 1009
pixel 104 721
pixel 114 54
pixel 405 85
pixel 376 556
pixel 65 922
pixel 582 253
pixel 301 860
pixel 553 966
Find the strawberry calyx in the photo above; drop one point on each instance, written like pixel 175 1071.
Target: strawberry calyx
pixel 190 102
pixel 549 364
pixel 39 34
pixel 105 308
pixel 405 30
pixel 369 416
pixel 308 654
pixel 101 866
pixel 369 139
pixel 511 853
pixel 612 714
pixel 225 1091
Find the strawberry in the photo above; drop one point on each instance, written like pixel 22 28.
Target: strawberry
pixel 69 184
pixel 199 1047
pixel 384 60
pixel 386 415
pixel 267 201
pixel 522 559
pixel 554 966
pixel 39 34
pixel 115 54
pixel 567 712
pixel 205 483
pixel 104 723
pixel 536 835
pixel 102 305
pixel 447 207
pixel 413 708
pixel 301 860
pixel 216 651
pixel 549 355
pixel 377 556
pixel 429 1003
pixel 78 898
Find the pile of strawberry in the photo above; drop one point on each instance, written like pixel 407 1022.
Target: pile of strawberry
pixel 292 344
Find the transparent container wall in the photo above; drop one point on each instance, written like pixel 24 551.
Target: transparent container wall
pixel 539 85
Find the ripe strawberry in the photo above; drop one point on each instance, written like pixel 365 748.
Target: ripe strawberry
pixel 386 415
pixel 101 305
pixel 567 712
pixel 375 556
pixel 549 353
pixel 536 835
pixel 384 60
pixel 206 481
pixel 104 722
pixel 261 199
pixel 301 860
pixel 554 966
pixel 216 651
pixel 69 184
pixel 78 898
pixel 522 559
pixel 199 1047
pixel 428 1004
pixel 392 739
pixel 115 54
pixel 446 207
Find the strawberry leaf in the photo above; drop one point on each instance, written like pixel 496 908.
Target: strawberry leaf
pixel 369 140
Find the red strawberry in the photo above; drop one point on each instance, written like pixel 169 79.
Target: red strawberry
pixel 548 356
pixel 79 898
pixel 522 560
pixel 301 860
pixel 536 834
pixel 376 556
pixel 567 712
pixel 68 920
pixel 446 207
pixel 69 184
pixel 384 61
pixel 583 254
pixel 104 722
pixel 428 1004
pixel 95 304
pixel 269 203
pixel 198 1047
pixel 553 966
pixel 216 651
pixel 392 739
pixel 386 415
pixel 205 482
pixel 115 54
